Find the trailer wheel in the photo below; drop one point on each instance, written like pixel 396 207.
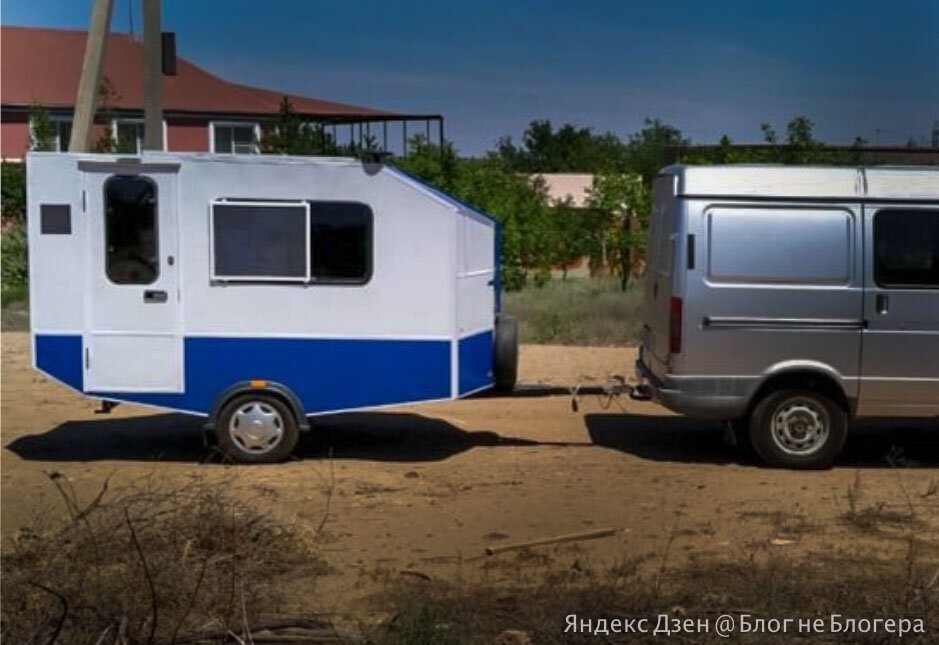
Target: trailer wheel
pixel 798 429
pixel 256 428
pixel 505 352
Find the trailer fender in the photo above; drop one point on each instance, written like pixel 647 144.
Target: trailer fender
pixel 269 387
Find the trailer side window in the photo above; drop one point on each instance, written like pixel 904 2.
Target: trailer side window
pixel 906 248
pixel 260 241
pixel 130 212
pixel 340 242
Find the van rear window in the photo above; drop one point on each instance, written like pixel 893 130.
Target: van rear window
pixel 906 248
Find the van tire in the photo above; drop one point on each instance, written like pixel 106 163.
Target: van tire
pixel 505 353
pixel 276 422
pixel 786 425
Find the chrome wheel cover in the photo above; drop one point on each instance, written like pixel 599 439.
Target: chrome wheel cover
pixel 800 426
pixel 256 427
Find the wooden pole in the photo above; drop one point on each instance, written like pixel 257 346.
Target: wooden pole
pixel 86 101
pixel 575 537
pixel 152 77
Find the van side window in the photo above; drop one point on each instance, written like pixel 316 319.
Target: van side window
pixel 130 229
pixel 340 242
pixel 906 248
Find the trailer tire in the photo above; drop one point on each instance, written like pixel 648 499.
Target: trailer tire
pixel 801 429
pixel 256 428
pixel 505 353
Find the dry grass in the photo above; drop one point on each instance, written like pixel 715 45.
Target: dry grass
pixel 578 311
pixel 427 612
pixel 154 563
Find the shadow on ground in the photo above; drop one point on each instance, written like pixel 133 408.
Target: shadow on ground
pixel 176 437
pixel 871 444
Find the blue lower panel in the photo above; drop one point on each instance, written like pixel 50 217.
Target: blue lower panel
pixel 476 362
pixel 326 374
pixel 61 357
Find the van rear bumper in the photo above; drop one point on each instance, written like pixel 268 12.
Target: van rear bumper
pixel 695 396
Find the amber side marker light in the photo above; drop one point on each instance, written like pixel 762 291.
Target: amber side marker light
pixel 258 383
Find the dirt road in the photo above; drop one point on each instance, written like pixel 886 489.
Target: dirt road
pixel 427 488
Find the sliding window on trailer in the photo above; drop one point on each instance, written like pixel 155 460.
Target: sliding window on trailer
pixel 306 242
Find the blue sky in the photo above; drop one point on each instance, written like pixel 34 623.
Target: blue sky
pixel 490 67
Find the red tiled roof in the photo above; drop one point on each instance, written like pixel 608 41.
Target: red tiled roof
pixel 44 65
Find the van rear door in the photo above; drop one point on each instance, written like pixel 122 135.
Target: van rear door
pixel 659 273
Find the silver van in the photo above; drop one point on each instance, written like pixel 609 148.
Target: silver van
pixel 789 301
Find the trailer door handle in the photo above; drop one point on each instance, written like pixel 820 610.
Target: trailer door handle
pixel 882 304
pixel 151 295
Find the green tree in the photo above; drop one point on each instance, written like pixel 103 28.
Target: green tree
pixel 650 149
pixel 567 149
pixel 622 202
pixel 491 186
pixel 13 187
pixel 427 161
pixel 803 147
pixel 41 130
pixel 569 234
pixel 107 141
pixel 290 134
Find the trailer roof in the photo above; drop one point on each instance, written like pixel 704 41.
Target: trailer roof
pixel 807 182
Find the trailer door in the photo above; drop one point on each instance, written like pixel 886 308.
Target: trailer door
pixel 132 338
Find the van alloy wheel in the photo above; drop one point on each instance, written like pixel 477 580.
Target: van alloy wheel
pixel 256 427
pixel 800 426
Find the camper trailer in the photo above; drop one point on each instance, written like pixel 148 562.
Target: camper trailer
pixel 257 291
pixel 790 301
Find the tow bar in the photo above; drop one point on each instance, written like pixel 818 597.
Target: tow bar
pixel 615 387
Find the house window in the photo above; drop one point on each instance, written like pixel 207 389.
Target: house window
pixel 61 133
pixel 130 228
pixel 260 241
pixel 128 135
pixel 235 138
pixel 318 242
pixel 906 248
pixel 340 242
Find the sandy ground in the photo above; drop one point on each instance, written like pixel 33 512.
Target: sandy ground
pixel 427 488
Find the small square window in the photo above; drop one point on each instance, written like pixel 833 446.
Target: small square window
pixel 55 219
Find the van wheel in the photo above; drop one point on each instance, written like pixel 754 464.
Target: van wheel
pixel 256 428
pixel 798 429
pixel 505 353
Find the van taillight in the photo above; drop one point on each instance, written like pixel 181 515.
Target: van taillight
pixel 674 326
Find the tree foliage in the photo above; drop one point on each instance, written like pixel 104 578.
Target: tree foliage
pixel 290 134
pixel 539 235
pixel 568 149
pixel 41 130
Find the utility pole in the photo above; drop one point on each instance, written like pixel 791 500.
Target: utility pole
pixel 152 77
pixel 86 102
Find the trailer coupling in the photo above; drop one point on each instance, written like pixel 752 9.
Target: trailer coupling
pixel 614 388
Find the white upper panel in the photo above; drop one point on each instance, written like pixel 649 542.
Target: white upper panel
pixel 807 182
pixel 417 233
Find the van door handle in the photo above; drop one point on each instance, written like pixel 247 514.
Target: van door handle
pixel 151 295
pixel 882 304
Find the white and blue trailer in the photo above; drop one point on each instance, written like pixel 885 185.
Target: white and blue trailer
pixel 260 290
